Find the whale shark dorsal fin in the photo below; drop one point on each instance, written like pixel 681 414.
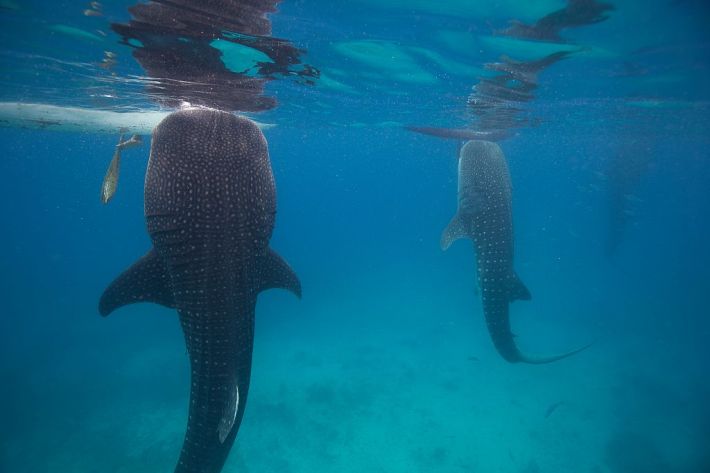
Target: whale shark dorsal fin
pixel 517 290
pixel 275 273
pixel 146 280
pixel 453 231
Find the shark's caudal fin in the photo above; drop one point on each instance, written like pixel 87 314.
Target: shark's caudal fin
pixel 277 274
pixel 454 230
pixel 541 360
pixel 146 280
pixel 506 346
pixel 505 340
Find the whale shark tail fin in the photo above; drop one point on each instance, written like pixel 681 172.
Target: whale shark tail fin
pixel 276 273
pixel 453 231
pixel 542 359
pixel 517 290
pixel 147 280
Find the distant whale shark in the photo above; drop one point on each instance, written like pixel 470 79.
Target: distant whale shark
pixel 209 206
pixel 485 216
pixel 624 171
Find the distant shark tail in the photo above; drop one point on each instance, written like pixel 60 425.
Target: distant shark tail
pixel 541 360
pixel 497 314
pixel 508 349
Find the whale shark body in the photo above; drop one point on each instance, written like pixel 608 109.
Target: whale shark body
pixel 209 207
pixel 484 215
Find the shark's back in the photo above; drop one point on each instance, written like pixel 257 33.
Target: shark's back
pixel 484 195
pixel 209 204
pixel 209 207
pixel 484 180
pixel 209 174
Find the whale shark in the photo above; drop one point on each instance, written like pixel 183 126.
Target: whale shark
pixel 484 215
pixel 575 13
pixel 626 168
pixel 210 204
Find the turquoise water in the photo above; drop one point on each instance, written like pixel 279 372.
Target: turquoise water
pixel 385 365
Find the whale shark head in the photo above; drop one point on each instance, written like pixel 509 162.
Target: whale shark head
pixel 209 188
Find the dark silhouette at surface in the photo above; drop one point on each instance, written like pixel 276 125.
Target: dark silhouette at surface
pixel 547 28
pixel 497 103
pixel 173 42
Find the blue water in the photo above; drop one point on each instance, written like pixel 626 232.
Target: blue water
pixel 385 365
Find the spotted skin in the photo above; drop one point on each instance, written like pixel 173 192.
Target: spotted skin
pixel 485 216
pixel 210 204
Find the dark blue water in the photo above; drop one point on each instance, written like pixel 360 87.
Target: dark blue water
pixel 385 365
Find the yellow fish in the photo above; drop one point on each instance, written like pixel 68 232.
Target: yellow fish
pixel 110 183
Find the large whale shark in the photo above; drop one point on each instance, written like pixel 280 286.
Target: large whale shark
pixel 484 215
pixel 209 207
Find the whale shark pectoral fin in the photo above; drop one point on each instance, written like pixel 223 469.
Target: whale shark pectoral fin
pixel 517 290
pixel 147 280
pixel 229 416
pixel 453 231
pixel 276 273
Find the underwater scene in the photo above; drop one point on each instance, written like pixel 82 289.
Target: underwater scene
pixel 290 236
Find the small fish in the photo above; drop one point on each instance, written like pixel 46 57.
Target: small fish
pixel 553 407
pixel 110 183
pixel 108 187
pixel 94 9
pixel 107 64
pixel 134 140
pixel 109 60
pixel 633 198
